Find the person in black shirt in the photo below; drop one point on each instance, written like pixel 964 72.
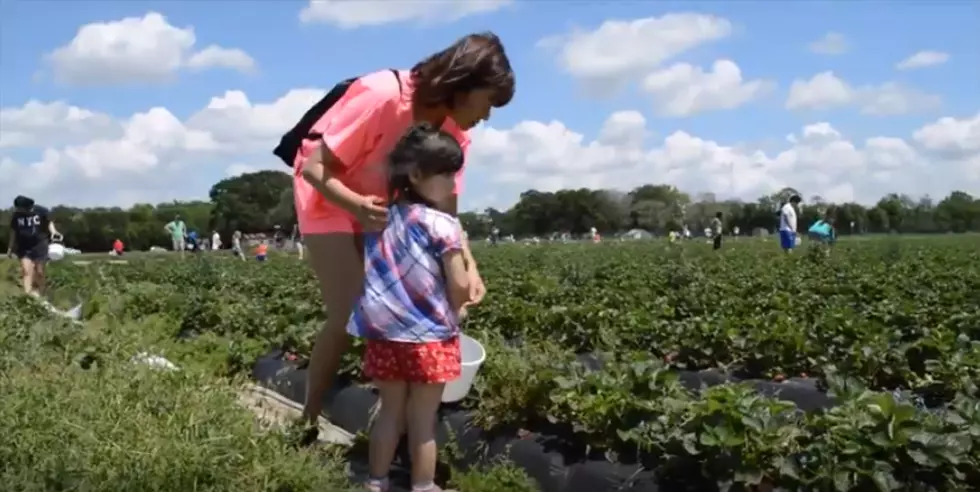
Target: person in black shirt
pixel 31 232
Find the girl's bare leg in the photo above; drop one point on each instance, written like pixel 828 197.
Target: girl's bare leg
pixel 386 431
pixel 423 406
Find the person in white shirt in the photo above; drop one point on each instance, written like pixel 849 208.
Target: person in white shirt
pixel 215 241
pixel 787 224
pixel 236 245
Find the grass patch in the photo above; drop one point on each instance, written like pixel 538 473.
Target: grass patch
pixel 78 415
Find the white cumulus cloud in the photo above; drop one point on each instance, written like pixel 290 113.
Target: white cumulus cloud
pixel 215 56
pixel 818 159
pixel 826 91
pixel 832 43
pixel 38 123
pixel 686 90
pixel 923 59
pixel 349 14
pixel 951 135
pixel 617 52
pixel 137 50
pixel 155 156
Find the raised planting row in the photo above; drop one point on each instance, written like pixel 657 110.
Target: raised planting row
pixel 637 425
pixel 876 318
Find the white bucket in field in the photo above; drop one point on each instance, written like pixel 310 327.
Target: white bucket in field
pixel 56 252
pixel 154 361
pixel 472 355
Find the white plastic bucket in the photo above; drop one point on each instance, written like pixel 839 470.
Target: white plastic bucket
pixel 472 355
pixel 56 252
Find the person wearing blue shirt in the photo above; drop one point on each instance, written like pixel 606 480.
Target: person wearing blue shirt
pixel 192 239
pixel 823 230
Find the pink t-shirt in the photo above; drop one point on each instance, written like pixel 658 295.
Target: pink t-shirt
pixel 361 129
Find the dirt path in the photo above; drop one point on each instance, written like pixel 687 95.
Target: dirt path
pixel 275 411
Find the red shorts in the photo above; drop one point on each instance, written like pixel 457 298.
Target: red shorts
pixel 431 363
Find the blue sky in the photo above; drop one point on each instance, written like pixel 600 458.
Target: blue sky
pixel 768 41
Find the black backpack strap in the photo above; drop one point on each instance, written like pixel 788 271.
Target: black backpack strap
pixel 398 78
pixel 290 143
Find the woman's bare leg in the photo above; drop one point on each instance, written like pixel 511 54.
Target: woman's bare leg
pixel 40 277
pixel 337 261
pixel 27 274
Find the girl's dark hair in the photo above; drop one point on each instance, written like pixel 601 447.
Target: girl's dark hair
pixel 477 61
pixel 426 149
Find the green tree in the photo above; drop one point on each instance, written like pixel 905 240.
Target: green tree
pixel 252 202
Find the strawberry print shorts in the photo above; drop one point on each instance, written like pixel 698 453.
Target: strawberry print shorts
pixel 428 363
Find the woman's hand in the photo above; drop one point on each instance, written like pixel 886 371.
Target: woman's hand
pixel 371 212
pixel 477 289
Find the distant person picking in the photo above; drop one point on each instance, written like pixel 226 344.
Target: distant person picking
pixel 236 245
pixel 787 224
pixel 716 230
pixel 823 231
pixel 178 234
pixel 261 251
pixel 192 241
pixel 31 233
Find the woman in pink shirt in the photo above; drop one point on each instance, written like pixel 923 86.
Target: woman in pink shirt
pixel 340 179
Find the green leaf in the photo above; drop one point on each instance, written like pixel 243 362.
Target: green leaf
pixel 884 480
pixel 843 481
pixel 708 439
pixel 788 468
pixel 919 457
pixel 751 476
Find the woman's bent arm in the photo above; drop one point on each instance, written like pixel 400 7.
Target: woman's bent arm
pixel 316 172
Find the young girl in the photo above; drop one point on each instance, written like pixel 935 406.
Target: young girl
pixel 415 287
pixel 261 251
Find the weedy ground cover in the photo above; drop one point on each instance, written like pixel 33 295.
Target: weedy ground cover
pixel 890 328
pixel 77 415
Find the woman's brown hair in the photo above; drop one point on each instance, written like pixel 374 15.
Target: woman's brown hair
pixel 477 61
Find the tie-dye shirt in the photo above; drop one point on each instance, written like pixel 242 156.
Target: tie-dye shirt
pixel 404 297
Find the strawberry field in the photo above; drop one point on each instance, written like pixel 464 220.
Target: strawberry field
pixel 654 366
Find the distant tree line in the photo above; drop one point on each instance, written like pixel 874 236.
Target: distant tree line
pixel 256 202
pixel 662 208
